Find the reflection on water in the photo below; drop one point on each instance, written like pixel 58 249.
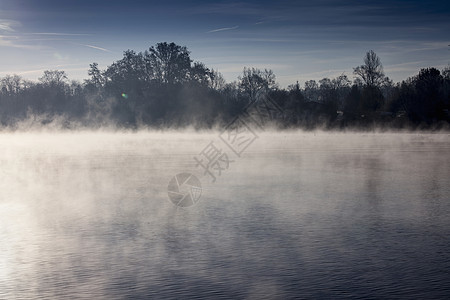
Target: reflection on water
pixel 308 215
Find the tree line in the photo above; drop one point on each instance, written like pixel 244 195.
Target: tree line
pixel 163 87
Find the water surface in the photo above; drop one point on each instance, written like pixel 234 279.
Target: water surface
pixel 309 215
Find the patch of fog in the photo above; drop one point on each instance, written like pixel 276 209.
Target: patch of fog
pixel 75 171
pixel 90 210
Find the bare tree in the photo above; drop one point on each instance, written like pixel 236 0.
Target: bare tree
pixel 341 81
pixel 53 77
pixel 217 81
pixel 371 72
pixel 341 84
pixel 255 80
pixel 11 84
pixel 311 90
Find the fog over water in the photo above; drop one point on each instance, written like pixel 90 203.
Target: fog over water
pixel 86 214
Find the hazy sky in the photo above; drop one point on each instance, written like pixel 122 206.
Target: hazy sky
pixel 298 40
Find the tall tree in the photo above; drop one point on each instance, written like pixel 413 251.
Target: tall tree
pixel 216 81
pixel 129 69
pixel 200 73
pixel 169 63
pixel 97 78
pixel 53 78
pixel 429 104
pixel 342 86
pixel 371 73
pixel 11 84
pixel 255 80
pixel 311 90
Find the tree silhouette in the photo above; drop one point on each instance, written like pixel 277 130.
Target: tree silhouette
pixel 371 75
pixel 429 101
pixel 312 90
pixel 217 82
pixel 126 75
pixel 199 73
pixel 169 63
pixel 371 72
pixel 11 84
pixel 254 80
pixel 162 87
pixel 341 85
pixel 97 79
pixel 53 78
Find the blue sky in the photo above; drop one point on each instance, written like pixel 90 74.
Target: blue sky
pixel 298 40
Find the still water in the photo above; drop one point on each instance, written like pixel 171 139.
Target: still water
pixel 297 215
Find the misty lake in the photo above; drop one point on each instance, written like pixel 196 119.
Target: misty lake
pixel 297 215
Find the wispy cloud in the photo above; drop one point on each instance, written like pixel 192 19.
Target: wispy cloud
pixel 37 70
pixel 59 33
pixel 223 29
pixel 9 37
pixel 14 42
pixel 7 25
pixel 229 8
pixel 96 47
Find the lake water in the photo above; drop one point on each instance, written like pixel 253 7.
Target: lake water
pixel 297 215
